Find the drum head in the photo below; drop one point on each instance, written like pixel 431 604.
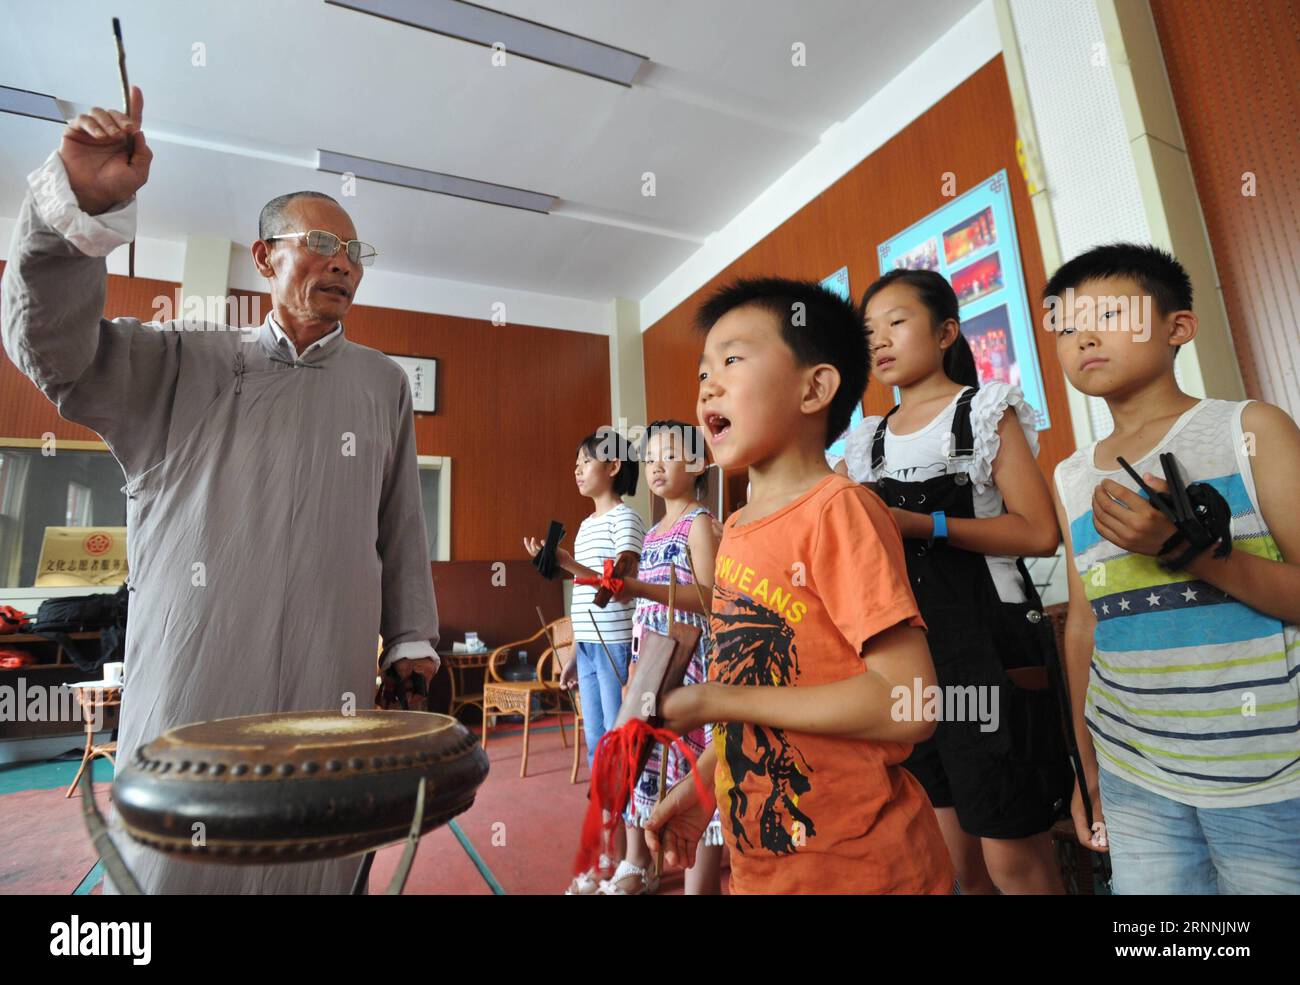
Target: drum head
pixel 298 786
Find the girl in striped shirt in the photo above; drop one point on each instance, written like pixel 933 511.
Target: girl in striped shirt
pixel 605 472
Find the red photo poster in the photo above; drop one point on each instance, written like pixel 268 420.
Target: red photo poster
pixel 989 336
pixel 969 236
pixel 978 279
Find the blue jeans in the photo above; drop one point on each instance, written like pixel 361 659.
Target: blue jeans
pixel 1162 847
pixel 601 689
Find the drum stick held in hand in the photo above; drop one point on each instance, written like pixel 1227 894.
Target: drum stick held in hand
pixel 699 591
pixel 596 626
pixel 663 749
pixel 690 563
pixel 126 108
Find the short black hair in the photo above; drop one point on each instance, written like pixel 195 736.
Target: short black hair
pixel 1156 271
pixel 940 300
pixel 607 445
pixel 693 446
pixel 272 221
pixel 830 331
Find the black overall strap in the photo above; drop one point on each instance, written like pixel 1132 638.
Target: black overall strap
pixel 878 441
pixel 1059 683
pixel 963 436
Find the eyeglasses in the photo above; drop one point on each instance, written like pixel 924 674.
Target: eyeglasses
pixel 327 244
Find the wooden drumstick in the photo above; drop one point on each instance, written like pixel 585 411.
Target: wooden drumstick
pixel 126 87
pixel 663 749
pixel 546 628
pixel 690 563
pixel 596 625
pixel 126 108
pixel 672 597
pixel 704 604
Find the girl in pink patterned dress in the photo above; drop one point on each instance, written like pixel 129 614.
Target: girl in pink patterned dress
pixel 674 461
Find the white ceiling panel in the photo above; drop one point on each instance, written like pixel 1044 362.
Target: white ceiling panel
pixel 718 114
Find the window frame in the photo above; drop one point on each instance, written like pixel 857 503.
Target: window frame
pixel 442 465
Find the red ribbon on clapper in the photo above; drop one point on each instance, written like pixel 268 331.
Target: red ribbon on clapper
pixel 606 581
pixel 614 771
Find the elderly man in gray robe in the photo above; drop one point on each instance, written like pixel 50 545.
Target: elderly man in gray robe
pixel 274 516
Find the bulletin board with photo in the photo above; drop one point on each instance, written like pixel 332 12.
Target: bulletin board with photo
pixel 972 242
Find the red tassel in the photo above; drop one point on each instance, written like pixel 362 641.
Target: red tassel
pixel 613 778
pixel 606 581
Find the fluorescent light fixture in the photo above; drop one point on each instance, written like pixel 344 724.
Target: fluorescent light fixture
pixel 33 104
pixel 525 38
pixel 434 181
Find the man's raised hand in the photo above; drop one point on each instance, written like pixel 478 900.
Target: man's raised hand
pixel 95 155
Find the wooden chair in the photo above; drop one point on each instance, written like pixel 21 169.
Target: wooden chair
pixel 516 697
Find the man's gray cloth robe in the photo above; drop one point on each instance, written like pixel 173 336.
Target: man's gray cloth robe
pixel 274 516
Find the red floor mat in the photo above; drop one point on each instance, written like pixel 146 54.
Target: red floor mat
pixel 518 838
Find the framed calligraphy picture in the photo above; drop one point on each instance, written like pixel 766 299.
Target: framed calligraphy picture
pixel 422 374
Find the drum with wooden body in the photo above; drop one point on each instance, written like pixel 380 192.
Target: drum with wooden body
pixel 296 787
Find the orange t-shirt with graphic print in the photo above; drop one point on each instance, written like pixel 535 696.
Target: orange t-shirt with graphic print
pixel 796 595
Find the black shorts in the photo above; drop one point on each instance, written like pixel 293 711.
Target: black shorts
pixel 1014 781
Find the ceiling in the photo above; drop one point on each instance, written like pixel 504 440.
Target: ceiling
pixel 718 114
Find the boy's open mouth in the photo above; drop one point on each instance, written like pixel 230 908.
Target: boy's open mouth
pixel 717 424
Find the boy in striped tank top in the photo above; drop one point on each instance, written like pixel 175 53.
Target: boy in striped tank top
pixel 1182 671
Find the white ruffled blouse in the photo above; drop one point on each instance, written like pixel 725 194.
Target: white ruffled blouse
pixel 922 455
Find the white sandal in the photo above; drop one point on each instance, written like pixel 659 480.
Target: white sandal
pixel 611 887
pixel 587 884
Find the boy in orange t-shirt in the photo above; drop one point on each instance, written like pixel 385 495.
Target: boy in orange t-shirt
pixel 817 637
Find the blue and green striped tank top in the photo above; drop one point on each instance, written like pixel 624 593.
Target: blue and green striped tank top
pixel 1192 694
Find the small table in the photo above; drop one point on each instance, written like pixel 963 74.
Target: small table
pixel 457 664
pixel 95 697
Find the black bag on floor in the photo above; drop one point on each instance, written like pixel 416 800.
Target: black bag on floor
pixel 104 613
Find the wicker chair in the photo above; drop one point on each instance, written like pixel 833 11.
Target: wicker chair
pixel 516 697
pixel 95 702
pixel 579 737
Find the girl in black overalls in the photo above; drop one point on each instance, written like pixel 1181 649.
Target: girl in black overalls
pixel 961 481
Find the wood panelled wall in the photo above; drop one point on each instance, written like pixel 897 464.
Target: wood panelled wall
pixel 24 411
pixel 513 403
pixel 1235 73
pixel 500 604
pixel 970 132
